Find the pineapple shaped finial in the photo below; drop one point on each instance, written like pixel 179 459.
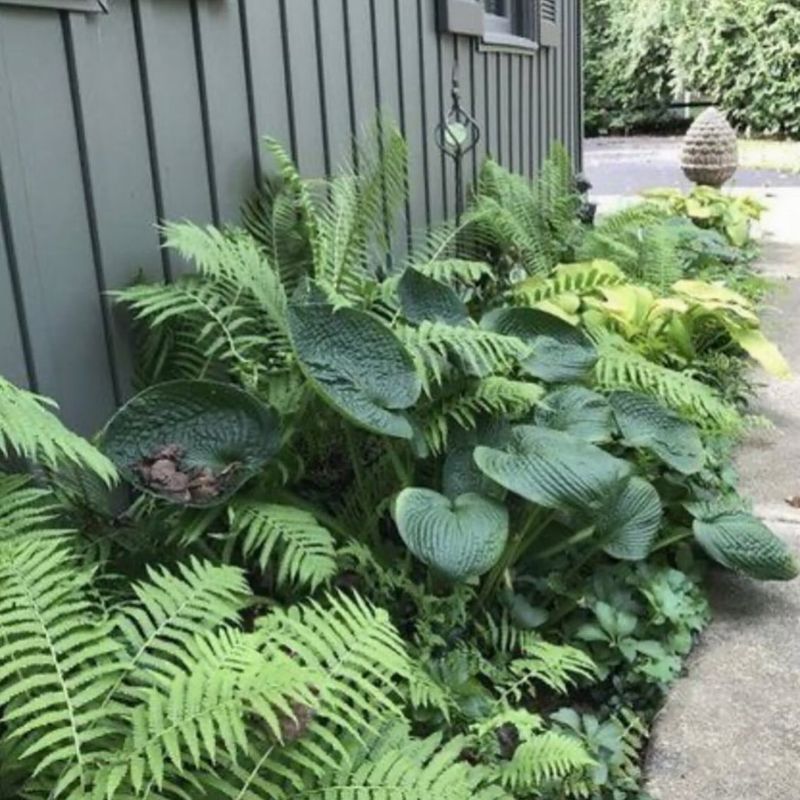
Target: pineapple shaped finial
pixel 710 154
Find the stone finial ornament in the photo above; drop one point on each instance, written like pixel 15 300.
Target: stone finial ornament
pixel 710 153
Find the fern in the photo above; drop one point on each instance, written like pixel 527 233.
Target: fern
pixel 232 315
pixel 558 667
pixel 170 610
pixel 568 279
pixel 306 550
pixel 544 758
pixel 205 708
pixel 479 351
pixel 533 224
pixel 620 366
pixel 639 240
pixel 25 509
pixel 492 396
pixel 57 661
pixel 30 430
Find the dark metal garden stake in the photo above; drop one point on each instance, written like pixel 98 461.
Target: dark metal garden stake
pixel 456 135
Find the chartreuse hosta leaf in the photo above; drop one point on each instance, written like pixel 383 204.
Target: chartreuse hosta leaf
pixel 425 299
pixel 578 411
pixel 761 349
pixel 460 538
pixel 744 544
pixel 215 434
pixel 556 470
pixel 357 365
pixel 560 351
pixel 646 423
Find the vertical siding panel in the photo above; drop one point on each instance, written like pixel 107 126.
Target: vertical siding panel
pixel 525 90
pixel 552 83
pixel 429 79
pixel 463 52
pixel 492 98
pixel 387 92
pixel 410 84
pixel 478 104
pixel 48 220
pixel 270 107
pixel 306 89
pixel 513 112
pixel 13 361
pixel 108 123
pixel 223 69
pixel 446 66
pixel 116 148
pixel 177 118
pixel 364 101
pixel 337 95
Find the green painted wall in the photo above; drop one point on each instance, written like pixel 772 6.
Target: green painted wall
pixel 109 123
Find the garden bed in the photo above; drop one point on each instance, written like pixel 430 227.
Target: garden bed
pixel 437 530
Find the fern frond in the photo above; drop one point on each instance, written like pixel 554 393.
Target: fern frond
pixel 25 509
pixel 568 279
pixel 542 759
pixel 57 660
pixel 354 224
pixel 411 769
pixel 495 395
pixel 274 217
pixel 620 366
pixel 30 430
pixel 205 709
pixel 305 550
pixel 299 189
pixel 231 257
pixel 479 351
pixel 170 611
pixel 557 666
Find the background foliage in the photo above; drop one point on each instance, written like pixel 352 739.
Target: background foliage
pixel 742 54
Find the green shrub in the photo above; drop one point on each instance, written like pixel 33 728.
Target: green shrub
pixel 744 55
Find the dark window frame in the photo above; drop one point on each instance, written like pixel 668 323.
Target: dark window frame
pixel 525 27
pixel 84 6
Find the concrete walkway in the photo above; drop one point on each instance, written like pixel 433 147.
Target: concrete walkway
pixel 731 729
pixel 627 165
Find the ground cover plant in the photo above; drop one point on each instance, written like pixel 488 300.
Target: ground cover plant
pixel 386 530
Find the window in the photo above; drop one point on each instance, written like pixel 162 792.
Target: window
pixel 87 6
pixel 517 24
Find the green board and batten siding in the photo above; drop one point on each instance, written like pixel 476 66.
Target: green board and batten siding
pixel 110 122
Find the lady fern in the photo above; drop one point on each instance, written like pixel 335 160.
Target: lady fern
pixel 304 550
pixel 30 430
pixel 621 367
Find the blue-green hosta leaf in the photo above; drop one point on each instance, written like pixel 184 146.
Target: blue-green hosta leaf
pixel 561 352
pixel 578 411
pixel 460 473
pixel 553 469
pixel 216 434
pixel 629 520
pixel 424 299
pixel 744 544
pixel 460 538
pixel 646 423
pixel 357 365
